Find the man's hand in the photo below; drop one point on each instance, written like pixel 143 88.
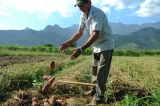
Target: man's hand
pixel 63 47
pixel 75 54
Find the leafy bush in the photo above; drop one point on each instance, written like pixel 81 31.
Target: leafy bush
pixel 49 49
pixel 32 49
pixel 13 48
pixel 41 49
pixel 132 53
pixel 48 45
pixel 119 53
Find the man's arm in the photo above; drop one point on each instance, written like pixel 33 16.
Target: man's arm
pixel 76 36
pixel 91 40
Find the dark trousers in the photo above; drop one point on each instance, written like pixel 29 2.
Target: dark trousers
pixel 100 70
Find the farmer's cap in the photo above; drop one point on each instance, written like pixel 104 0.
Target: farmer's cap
pixel 80 2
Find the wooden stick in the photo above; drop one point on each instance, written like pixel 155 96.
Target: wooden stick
pixel 78 83
pixel 112 87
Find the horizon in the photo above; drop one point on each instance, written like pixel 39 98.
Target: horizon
pixel 35 14
pixel 75 24
pixel 109 22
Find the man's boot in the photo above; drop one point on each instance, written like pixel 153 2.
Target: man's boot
pixel 90 92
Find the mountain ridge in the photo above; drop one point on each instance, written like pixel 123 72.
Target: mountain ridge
pixel 143 38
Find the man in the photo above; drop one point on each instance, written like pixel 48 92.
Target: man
pixel 100 37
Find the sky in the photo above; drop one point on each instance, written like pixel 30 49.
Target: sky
pixel 37 14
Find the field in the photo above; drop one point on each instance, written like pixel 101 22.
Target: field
pixel 21 73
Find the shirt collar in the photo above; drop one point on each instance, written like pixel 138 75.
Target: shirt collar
pixel 90 13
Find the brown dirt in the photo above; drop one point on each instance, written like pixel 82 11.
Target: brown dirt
pixel 71 94
pixel 9 60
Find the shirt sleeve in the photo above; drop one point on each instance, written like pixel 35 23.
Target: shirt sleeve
pixel 97 22
pixel 82 22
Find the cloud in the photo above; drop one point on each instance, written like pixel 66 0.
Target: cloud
pixel 3 10
pixel 7 27
pixel 47 7
pixel 106 10
pixel 42 16
pixel 121 4
pixel 106 5
pixel 44 8
pixel 18 28
pixel 149 8
pixel 3 13
pixel 3 27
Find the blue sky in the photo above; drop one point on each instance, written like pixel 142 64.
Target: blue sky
pixel 37 14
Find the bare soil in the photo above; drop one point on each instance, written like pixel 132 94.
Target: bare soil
pixel 9 60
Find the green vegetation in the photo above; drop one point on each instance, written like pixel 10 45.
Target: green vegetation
pixel 49 49
pixel 129 46
pixel 127 69
pixel 146 39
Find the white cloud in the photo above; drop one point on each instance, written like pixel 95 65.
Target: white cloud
pixel 41 16
pixel 7 27
pixel 3 13
pixel 44 8
pixel 3 27
pixel 121 4
pixel 105 5
pixel 149 8
pixel 105 9
pixel 3 10
pixel 17 27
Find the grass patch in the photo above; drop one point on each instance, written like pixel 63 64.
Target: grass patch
pixel 125 70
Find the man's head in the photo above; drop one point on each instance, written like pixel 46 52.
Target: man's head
pixel 84 5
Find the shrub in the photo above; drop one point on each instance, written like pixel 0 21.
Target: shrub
pixel 49 49
pixel 32 49
pixel 41 49
pixel 48 45
pixel 132 53
pixel 119 53
pixel 13 48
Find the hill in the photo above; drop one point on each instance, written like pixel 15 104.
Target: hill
pixel 124 29
pixel 147 38
pixel 144 38
pixel 30 37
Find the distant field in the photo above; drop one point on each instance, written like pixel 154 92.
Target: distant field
pixel 49 50
pixel 21 71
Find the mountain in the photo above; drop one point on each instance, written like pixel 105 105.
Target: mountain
pixel 124 29
pixel 68 32
pixel 146 38
pixel 62 31
pixel 143 38
pixel 128 46
pixel 119 28
pixel 30 37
